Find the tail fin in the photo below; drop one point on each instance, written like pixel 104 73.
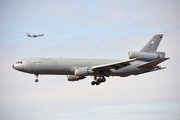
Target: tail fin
pixel 153 44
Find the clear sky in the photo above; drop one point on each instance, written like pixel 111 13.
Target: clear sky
pixel 88 29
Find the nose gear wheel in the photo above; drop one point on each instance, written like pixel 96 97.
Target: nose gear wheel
pixel 36 80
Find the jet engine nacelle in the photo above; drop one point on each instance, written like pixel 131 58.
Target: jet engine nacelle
pixel 145 55
pixel 74 78
pixel 82 71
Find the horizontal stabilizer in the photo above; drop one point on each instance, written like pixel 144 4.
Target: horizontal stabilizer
pixel 153 63
pixel 150 70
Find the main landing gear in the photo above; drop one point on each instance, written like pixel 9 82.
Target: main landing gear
pixel 36 80
pixel 98 81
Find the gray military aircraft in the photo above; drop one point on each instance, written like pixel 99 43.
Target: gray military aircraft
pixel 143 61
pixel 29 35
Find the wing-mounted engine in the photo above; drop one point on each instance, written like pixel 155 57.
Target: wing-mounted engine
pixel 82 71
pixel 74 78
pixel 146 55
pixel 79 73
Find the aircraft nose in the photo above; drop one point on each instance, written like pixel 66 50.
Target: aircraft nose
pixel 12 66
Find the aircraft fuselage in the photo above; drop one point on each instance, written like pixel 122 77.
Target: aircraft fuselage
pixel 67 66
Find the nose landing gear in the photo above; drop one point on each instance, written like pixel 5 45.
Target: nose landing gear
pixel 36 80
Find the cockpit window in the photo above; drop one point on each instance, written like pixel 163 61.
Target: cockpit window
pixel 19 62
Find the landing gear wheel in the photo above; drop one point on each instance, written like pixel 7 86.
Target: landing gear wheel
pixel 93 83
pixel 104 80
pixel 99 80
pixel 36 80
pixel 97 83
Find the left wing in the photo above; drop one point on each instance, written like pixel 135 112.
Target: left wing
pixel 115 65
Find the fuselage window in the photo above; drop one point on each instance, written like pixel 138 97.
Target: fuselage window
pixel 19 62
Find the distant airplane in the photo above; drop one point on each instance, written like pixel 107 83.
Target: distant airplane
pixel 29 35
pixel 143 61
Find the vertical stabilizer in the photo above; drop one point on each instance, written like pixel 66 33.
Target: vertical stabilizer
pixel 153 44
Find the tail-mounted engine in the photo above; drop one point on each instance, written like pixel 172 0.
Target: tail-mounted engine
pixel 146 55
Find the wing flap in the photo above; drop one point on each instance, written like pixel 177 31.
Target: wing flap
pixel 153 63
pixel 115 65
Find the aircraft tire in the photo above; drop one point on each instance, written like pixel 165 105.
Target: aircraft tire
pixel 103 80
pixel 97 83
pixel 99 80
pixel 36 80
pixel 93 83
